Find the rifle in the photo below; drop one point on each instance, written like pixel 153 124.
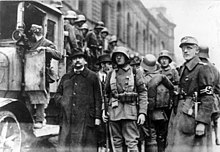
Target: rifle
pixel 106 113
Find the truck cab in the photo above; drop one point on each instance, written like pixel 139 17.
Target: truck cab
pixel 18 72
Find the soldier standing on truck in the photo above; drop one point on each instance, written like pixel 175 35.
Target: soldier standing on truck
pixel 90 46
pixel 39 99
pixel 70 42
pixel 97 29
pixel 159 88
pixel 127 102
pixel 190 127
pixel 204 55
pixel 79 35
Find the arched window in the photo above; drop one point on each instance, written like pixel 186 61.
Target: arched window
pixel 129 30
pixel 151 43
pixel 136 37
pixel 119 18
pixel 162 45
pixel 144 40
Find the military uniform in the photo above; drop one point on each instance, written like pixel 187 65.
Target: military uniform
pixel 195 76
pixel 204 55
pixel 158 102
pixel 123 87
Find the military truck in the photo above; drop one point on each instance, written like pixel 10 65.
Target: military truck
pixel 22 71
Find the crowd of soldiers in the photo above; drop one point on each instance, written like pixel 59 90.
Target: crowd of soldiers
pixel 112 100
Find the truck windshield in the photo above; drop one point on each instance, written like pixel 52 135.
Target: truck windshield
pixel 8 19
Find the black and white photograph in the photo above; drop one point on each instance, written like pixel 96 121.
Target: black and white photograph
pixel 109 75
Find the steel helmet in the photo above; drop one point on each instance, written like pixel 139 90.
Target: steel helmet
pixel 120 49
pixel 203 51
pixel 71 15
pixel 113 39
pixel 84 27
pixel 99 25
pixel 81 18
pixel 57 3
pixel 104 30
pixel 164 53
pixel 149 62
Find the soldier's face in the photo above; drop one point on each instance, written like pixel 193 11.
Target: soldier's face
pixel 120 59
pixel 164 61
pixel 78 62
pixel 189 51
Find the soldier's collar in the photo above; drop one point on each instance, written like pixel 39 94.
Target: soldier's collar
pixel 167 68
pixel 126 68
pixel 192 63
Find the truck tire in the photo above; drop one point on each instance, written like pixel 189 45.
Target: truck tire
pixel 10 132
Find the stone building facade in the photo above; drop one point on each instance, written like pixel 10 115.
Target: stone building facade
pixel 142 30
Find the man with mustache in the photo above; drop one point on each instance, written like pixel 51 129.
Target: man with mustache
pixel 79 94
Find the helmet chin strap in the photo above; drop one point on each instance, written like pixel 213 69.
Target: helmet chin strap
pixel 165 66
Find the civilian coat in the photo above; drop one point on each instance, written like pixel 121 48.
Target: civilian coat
pixel 195 76
pixel 39 97
pixel 80 99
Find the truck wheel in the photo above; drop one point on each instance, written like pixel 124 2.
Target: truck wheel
pixel 10 132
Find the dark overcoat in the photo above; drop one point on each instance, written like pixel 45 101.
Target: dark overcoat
pixel 80 98
pixel 195 76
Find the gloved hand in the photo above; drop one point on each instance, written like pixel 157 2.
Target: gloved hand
pixel 104 116
pixel 97 122
pixel 200 129
pixel 141 119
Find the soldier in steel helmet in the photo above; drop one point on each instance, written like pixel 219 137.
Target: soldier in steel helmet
pixel 97 29
pixel 112 43
pixel 70 41
pixel 190 127
pixel 79 36
pixel 105 40
pixel 159 88
pixel 127 102
pixel 90 46
pixel 165 60
pixel 204 57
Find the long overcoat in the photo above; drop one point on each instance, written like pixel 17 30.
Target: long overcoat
pixel 80 98
pixel 195 76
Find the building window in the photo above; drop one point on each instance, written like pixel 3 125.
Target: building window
pixel 151 43
pixel 50 30
pixel 128 30
pixel 162 45
pixel 144 40
pixel 155 44
pixel 136 37
pixel 119 18
pixel 81 3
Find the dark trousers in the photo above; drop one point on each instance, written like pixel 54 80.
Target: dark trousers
pixel 38 113
pixel 124 132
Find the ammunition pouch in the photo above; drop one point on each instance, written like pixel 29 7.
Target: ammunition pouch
pixel 128 97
